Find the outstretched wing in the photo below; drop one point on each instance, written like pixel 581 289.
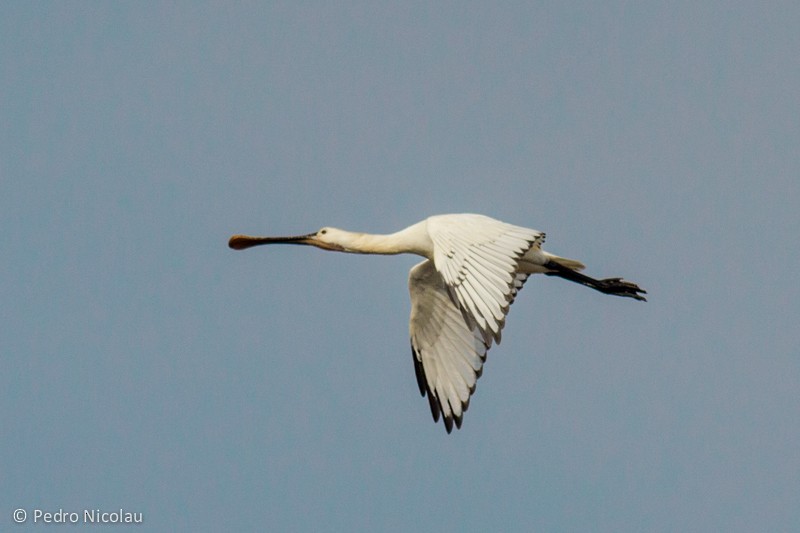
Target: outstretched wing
pixel 477 257
pixel 448 352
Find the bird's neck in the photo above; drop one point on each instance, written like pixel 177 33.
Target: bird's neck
pixel 412 240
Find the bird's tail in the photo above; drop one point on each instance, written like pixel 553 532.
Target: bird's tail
pixel 572 264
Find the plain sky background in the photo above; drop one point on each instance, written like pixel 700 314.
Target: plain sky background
pixel 145 366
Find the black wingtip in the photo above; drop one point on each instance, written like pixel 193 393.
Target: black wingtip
pixel 448 424
pixel 418 371
pixel 434 404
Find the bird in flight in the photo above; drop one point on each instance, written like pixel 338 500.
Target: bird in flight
pixel 460 294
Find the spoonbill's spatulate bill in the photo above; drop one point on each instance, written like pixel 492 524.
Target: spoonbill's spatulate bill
pixel 460 294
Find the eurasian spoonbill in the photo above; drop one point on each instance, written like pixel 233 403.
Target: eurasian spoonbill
pixel 460 294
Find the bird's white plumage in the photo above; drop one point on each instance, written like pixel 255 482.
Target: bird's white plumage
pixel 459 302
pixel 448 352
pixel 460 294
pixel 478 258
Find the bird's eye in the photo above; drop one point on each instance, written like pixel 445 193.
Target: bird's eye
pixel 323 231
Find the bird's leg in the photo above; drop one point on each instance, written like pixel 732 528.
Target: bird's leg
pixel 615 286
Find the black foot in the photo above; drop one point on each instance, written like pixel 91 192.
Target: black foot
pixel 615 286
pixel 620 287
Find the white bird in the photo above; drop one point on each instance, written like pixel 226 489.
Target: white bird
pixel 460 294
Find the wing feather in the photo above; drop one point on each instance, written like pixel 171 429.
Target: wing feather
pixel 477 257
pixel 459 301
pixel 448 355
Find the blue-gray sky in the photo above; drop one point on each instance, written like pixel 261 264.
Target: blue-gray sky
pixel 146 366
